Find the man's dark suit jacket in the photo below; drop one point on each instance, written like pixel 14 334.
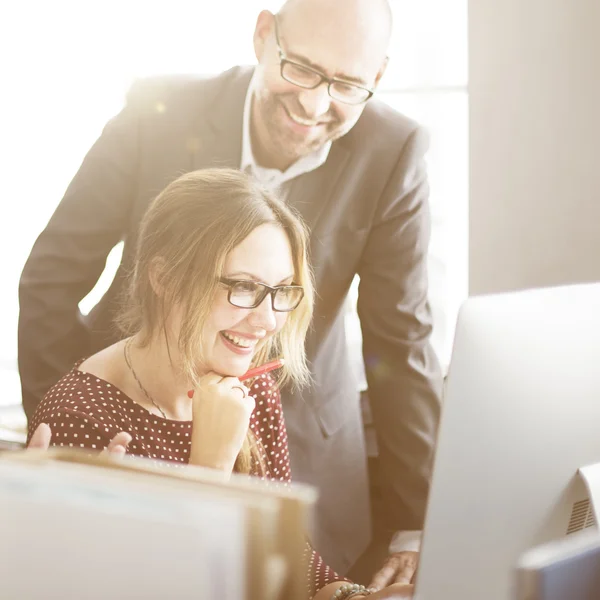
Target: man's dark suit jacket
pixel 367 210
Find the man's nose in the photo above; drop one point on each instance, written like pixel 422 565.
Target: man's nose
pixel 315 102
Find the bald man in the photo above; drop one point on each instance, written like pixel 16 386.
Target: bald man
pixel 304 121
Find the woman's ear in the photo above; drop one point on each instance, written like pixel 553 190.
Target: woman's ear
pixel 155 275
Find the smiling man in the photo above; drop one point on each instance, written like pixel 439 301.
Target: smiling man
pixel 305 121
pixel 320 56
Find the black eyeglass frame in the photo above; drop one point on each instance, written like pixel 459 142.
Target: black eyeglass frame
pixel 283 60
pixel 266 289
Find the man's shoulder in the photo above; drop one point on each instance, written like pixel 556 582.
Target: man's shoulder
pixel 384 138
pixel 381 126
pixel 158 93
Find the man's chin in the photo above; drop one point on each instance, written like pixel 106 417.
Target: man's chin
pixel 293 149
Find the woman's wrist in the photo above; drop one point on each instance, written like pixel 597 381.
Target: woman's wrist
pixel 223 463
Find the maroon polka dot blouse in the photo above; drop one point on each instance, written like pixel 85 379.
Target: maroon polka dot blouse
pixel 84 411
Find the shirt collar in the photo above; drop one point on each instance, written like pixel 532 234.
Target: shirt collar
pixel 275 177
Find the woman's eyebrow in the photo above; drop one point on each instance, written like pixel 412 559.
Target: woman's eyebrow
pixel 253 277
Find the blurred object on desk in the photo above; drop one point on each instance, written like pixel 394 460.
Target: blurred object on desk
pixel 567 568
pixel 82 526
pixel 13 423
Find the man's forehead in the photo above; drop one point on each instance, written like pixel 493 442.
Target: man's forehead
pixel 352 55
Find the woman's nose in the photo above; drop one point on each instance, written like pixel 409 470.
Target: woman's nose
pixel 263 315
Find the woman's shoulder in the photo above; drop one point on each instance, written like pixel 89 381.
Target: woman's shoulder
pixel 82 393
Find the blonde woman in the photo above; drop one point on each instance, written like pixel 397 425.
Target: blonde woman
pixel 221 283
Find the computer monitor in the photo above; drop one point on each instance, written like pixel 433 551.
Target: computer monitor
pixel 521 414
pixel 568 568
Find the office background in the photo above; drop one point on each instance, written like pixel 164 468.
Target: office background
pixel 67 66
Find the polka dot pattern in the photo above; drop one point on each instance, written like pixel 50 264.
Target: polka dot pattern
pixel 84 411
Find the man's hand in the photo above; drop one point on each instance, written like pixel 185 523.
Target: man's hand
pixel 399 567
pixel 41 437
pixel 396 591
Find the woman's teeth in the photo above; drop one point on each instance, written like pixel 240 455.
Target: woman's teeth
pixel 241 342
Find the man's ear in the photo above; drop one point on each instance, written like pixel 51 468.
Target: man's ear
pixel 155 275
pixel 382 69
pixel 264 26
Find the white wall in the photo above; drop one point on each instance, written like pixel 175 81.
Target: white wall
pixel 534 86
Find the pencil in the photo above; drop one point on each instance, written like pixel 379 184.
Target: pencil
pixel 270 366
pixel 256 372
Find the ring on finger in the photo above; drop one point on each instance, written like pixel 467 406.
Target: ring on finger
pixel 242 389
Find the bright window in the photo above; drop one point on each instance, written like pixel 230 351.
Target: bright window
pixel 69 63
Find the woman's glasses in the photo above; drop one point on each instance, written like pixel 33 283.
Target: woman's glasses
pixel 250 294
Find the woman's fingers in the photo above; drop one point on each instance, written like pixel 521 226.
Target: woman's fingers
pixel 118 445
pixel 215 385
pixel 234 384
pixel 243 391
pixel 221 412
pixel 41 437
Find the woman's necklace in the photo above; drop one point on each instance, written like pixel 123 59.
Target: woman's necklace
pixel 148 396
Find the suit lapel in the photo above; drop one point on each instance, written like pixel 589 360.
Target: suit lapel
pixel 310 193
pixel 217 141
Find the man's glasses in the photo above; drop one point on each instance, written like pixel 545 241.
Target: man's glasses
pixel 309 78
pixel 250 294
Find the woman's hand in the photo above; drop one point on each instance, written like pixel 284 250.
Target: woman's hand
pixel 221 409
pixel 40 440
